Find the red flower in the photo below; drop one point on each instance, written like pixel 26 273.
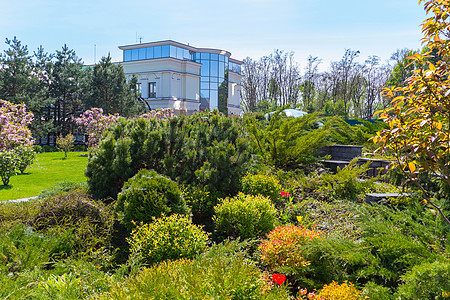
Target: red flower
pixel 285 194
pixel 279 278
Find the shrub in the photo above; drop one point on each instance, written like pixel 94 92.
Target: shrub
pixel 265 185
pixel 244 216
pixel 167 238
pixel 8 165
pixel 38 149
pixel 374 291
pixel 430 280
pixel 346 183
pixel 25 157
pixel 284 249
pixel 333 291
pixel 62 187
pixel 206 149
pixel 222 272
pixel 147 195
pixel 89 222
pixel 48 148
pixel 201 200
pixel 22 248
pixel 65 144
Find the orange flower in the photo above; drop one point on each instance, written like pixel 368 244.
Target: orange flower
pixel 311 295
pixel 303 291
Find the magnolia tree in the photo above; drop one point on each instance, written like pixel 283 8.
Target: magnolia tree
pixel 159 114
pixel 14 120
pixel 418 136
pixel 15 139
pixel 94 122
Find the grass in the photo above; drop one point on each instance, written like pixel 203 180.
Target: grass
pixel 47 170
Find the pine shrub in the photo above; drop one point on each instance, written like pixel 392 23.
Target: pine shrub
pixel 206 149
pixel 147 195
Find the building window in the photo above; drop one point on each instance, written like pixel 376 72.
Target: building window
pixel 138 89
pixel 152 89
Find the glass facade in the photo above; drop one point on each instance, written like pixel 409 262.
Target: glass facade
pixel 213 80
pixel 213 72
pixel 156 52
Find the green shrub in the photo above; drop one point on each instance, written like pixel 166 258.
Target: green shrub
pixel 147 195
pixel 376 292
pixel 38 149
pixel 62 187
pixel 16 212
pixel 80 148
pixel 201 201
pixel 25 157
pixel 390 242
pixel 8 165
pixel 287 142
pixel 265 185
pixel 89 222
pixel 430 280
pixel 346 184
pixel 167 238
pixel 68 279
pixel 22 248
pixel 48 148
pixel 206 149
pixel 222 272
pixel 244 216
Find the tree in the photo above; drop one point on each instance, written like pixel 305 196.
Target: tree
pixel 309 81
pixel 418 136
pixel 14 134
pixel 110 90
pixel 65 89
pixel 15 72
pixel 65 144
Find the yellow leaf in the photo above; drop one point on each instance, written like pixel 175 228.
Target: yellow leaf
pixel 439 125
pixel 411 166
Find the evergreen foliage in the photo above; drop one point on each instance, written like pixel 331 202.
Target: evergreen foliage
pixel 147 195
pixel 207 148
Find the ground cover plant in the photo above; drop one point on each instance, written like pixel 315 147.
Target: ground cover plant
pixel 48 169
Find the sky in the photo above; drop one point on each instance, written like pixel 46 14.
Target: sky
pixel 246 28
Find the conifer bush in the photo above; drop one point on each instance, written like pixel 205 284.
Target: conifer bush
pixel 244 216
pixel 147 195
pixel 206 149
pixel 167 238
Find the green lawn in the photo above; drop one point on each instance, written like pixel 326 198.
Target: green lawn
pixel 48 169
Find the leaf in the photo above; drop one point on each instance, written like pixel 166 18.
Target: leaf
pixel 412 167
pixel 439 125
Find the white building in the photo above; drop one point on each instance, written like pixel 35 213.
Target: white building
pixel 185 78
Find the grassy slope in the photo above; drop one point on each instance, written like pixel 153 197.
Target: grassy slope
pixel 48 169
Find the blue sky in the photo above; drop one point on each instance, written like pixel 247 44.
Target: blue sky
pixel 323 28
